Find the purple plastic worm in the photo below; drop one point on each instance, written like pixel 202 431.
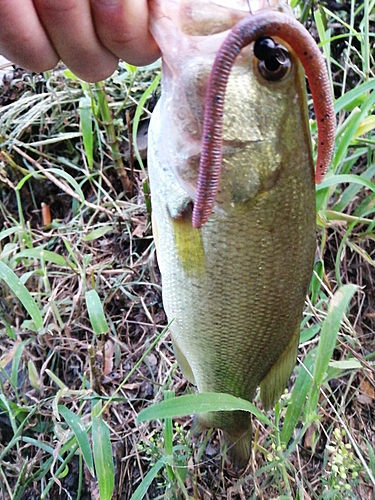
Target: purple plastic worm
pixel 246 31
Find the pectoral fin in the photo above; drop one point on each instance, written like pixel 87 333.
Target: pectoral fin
pixel 277 378
pixel 189 243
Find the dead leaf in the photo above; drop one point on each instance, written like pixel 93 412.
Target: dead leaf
pixel 152 360
pixel 140 229
pixel 8 357
pixel 366 392
pixel 310 437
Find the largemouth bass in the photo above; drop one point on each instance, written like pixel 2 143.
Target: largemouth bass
pixel 234 285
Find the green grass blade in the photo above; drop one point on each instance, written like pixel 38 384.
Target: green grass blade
pixel 168 436
pixel 298 398
pixel 309 333
pixel 354 97
pixel 345 178
pixel 8 407
pixel 103 458
pixel 46 255
pixel 33 375
pixel 96 312
pixel 86 119
pixel 97 233
pixel 351 191
pixel 41 445
pixel 371 454
pixel 5 233
pixel 138 114
pixel 316 281
pixel 80 432
pixel 350 133
pixel 56 379
pixel 141 491
pixel 324 37
pixel 200 403
pixel 59 173
pixel 327 342
pixel 16 363
pixel 168 429
pixel 60 470
pixel 367 125
pixel 22 293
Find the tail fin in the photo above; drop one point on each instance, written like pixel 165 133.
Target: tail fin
pixel 239 447
pixel 238 441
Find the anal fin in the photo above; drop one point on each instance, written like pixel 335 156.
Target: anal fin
pixel 274 383
pixel 183 362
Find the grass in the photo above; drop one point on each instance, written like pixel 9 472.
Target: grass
pixel 84 349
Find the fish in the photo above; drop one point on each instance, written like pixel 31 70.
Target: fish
pixel 232 183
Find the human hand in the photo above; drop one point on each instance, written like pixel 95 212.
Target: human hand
pixel 89 36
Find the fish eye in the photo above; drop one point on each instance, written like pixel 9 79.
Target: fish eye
pixel 274 61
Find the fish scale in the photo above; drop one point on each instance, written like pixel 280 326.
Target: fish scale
pixel 234 290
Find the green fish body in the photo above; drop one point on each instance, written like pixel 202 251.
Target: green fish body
pixel 235 289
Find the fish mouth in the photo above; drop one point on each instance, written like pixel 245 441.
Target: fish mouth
pixel 201 19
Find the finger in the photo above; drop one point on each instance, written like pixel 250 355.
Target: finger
pixel 22 36
pixel 69 25
pixel 122 26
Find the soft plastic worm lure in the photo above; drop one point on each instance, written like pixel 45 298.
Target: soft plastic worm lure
pixel 248 30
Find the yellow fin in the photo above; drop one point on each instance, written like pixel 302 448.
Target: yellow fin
pixel 273 384
pixel 189 243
